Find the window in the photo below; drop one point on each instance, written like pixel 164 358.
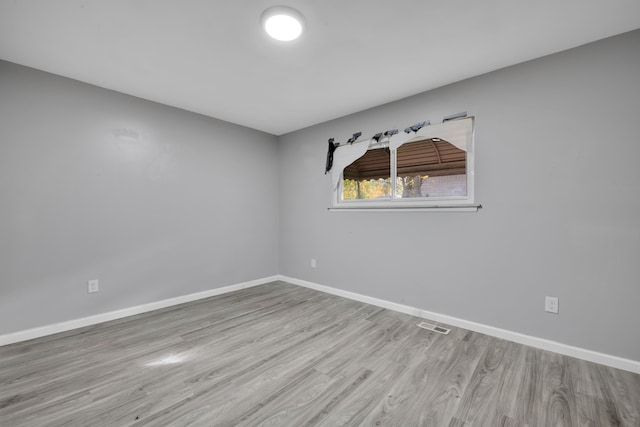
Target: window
pixel 433 167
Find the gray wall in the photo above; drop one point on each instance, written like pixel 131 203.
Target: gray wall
pixel 557 153
pixel 191 205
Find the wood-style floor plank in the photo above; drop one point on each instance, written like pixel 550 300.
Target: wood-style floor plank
pixel 282 355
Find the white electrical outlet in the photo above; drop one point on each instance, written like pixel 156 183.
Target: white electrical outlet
pixel 313 263
pixel 93 286
pixel 551 305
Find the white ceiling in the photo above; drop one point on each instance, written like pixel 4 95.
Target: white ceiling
pixel 211 57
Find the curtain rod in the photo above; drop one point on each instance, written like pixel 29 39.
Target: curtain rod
pixel 413 128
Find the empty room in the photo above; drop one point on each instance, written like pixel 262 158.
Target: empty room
pixel 358 213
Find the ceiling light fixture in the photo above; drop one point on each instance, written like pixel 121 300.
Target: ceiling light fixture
pixel 282 23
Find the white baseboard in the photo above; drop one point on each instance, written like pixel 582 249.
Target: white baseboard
pixel 130 311
pixel 544 344
pixel 541 343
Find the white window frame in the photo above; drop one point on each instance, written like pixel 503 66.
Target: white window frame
pixel 414 203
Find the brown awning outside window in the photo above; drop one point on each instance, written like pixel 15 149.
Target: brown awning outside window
pixel 433 157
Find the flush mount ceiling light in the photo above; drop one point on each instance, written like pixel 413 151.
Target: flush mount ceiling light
pixel 282 23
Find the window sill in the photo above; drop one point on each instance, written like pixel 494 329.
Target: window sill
pixel 443 208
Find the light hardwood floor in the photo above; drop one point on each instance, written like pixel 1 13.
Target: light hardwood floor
pixel 282 355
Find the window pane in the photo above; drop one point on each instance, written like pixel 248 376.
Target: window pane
pixel 431 168
pixel 369 177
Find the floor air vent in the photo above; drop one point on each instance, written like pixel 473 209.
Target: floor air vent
pixel 434 328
